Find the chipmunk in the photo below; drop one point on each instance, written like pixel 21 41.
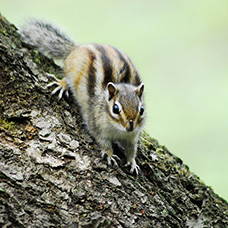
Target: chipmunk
pixel 105 84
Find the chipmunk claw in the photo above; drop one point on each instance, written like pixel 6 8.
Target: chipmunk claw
pixel 52 76
pixel 111 160
pixel 61 85
pixel 134 167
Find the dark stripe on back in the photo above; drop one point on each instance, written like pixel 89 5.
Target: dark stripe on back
pixel 107 67
pixel 127 75
pixel 91 74
pixel 137 79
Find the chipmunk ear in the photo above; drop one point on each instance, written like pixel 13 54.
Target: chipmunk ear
pixel 112 90
pixel 139 90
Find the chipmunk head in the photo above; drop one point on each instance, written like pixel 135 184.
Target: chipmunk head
pixel 126 106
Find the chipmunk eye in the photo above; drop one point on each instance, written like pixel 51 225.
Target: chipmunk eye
pixel 116 109
pixel 141 111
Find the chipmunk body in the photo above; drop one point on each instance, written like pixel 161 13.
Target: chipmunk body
pixel 105 84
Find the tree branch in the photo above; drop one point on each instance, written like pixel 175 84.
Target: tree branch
pixel 51 173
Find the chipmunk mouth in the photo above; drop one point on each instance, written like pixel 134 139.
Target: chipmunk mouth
pixel 130 127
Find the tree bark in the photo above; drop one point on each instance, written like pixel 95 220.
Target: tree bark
pixel 51 173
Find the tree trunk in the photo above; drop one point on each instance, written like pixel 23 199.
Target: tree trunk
pixel 51 172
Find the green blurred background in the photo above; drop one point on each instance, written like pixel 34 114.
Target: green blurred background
pixel 181 50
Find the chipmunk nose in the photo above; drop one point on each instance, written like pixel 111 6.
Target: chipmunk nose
pixel 130 127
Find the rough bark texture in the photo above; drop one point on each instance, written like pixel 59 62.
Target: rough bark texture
pixel 51 173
